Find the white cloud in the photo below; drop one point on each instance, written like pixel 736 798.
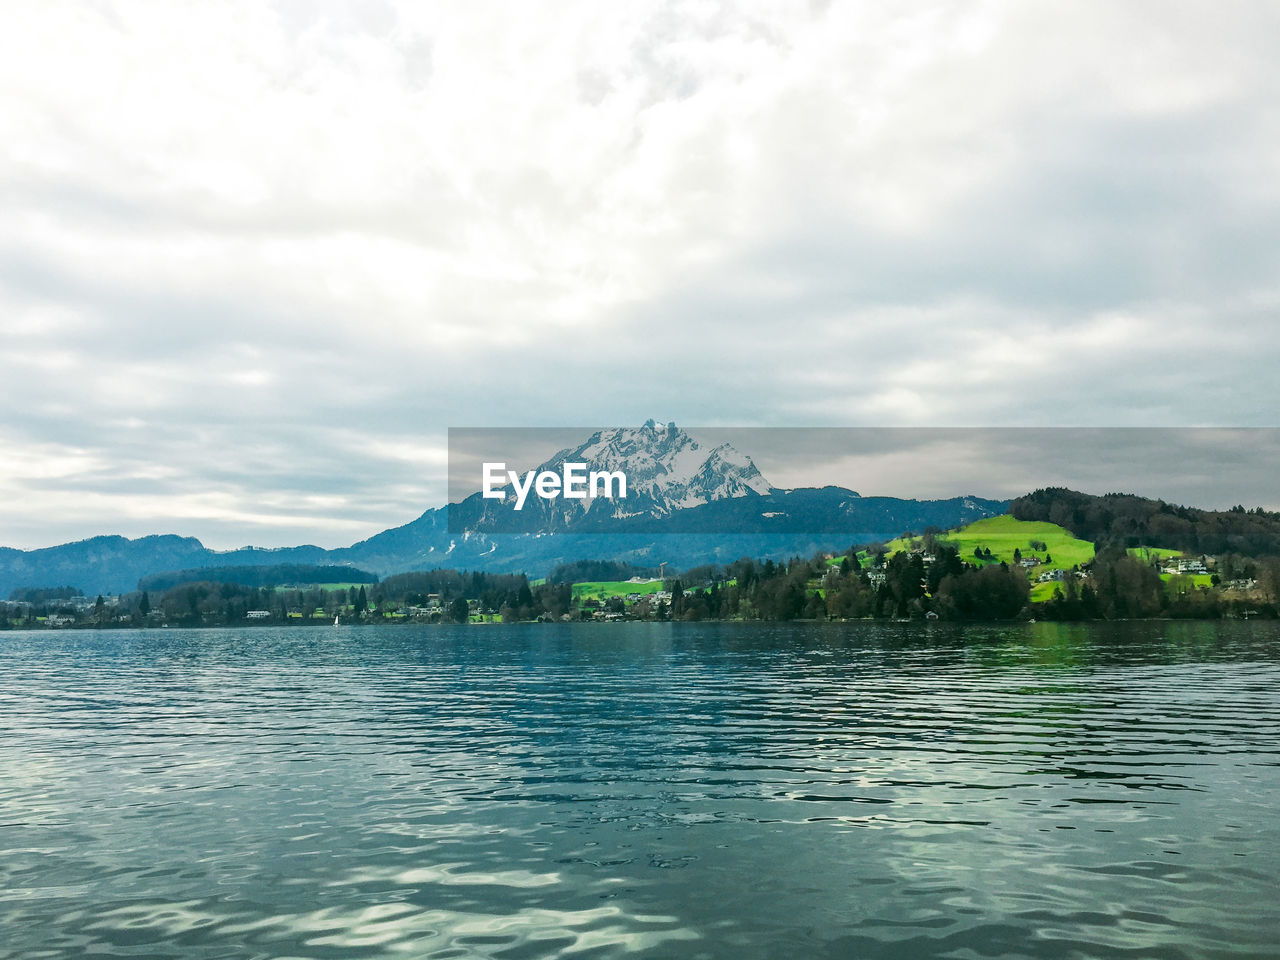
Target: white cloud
pixel 238 235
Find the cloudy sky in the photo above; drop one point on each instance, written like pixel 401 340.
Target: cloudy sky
pixel 256 257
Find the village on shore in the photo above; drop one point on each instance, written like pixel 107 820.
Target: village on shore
pixel 998 568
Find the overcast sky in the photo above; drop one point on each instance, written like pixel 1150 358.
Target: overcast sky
pixel 255 258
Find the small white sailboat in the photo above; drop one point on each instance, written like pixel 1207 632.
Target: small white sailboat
pixel 335 619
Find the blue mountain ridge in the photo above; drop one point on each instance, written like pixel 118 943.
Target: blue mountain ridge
pixel 113 564
pixel 734 513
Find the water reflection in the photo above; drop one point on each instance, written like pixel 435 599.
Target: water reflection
pixel 674 791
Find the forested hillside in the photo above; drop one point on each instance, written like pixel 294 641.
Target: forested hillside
pixel 1131 521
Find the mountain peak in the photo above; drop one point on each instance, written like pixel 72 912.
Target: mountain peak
pixel 666 468
pixel 653 426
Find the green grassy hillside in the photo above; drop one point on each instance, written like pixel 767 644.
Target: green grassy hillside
pixel 327 587
pixel 1153 553
pixel 604 589
pixel 1002 535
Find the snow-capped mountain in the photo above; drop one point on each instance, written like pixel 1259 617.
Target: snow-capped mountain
pixel 668 472
pixel 666 469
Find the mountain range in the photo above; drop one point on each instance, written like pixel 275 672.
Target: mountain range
pixel 687 504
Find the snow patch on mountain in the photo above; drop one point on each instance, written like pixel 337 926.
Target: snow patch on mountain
pixel 666 469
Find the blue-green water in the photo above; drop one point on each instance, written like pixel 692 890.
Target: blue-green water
pixel 642 790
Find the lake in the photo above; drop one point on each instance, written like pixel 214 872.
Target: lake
pixel 642 790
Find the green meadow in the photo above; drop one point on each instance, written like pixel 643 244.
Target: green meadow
pixel 1153 553
pixel 604 589
pixel 1002 535
pixel 1178 582
pixel 1043 592
pixel 864 558
pixel 328 587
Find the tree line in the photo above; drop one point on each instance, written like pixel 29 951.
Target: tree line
pixel 905 587
pixel 1130 521
pixel 267 575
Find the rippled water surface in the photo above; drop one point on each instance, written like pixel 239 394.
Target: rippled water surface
pixel 642 790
